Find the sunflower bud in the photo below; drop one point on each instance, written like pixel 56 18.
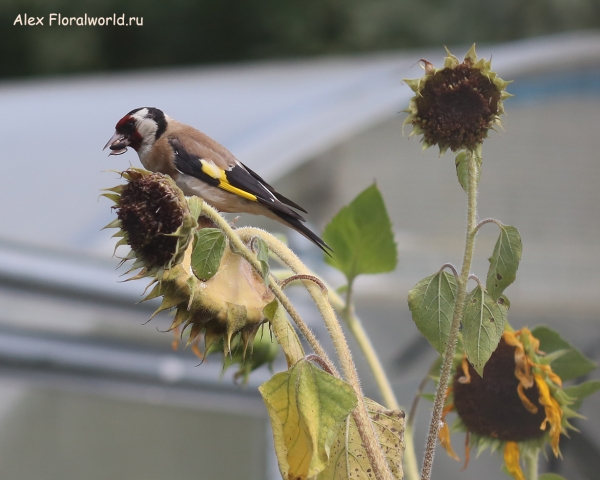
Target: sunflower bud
pixel 455 106
pixel 162 228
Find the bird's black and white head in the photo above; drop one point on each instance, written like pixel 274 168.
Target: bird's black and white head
pixel 139 129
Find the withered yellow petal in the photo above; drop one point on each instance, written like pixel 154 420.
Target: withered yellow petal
pixel 511 459
pixel 553 413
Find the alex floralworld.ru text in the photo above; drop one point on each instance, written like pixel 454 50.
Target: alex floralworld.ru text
pixel 56 19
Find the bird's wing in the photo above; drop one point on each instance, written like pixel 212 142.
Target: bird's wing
pixel 278 195
pixel 210 166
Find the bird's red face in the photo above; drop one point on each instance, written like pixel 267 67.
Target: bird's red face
pixel 126 135
pixel 140 128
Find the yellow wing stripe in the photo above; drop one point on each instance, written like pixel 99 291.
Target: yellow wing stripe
pixel 219 174
pixel 213 171
pixel 230 188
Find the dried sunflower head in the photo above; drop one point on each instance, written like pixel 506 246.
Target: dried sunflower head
pixel 172 244
pixel 455 106
pixel 154 219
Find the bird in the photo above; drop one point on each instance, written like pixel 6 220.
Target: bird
pixel 202 167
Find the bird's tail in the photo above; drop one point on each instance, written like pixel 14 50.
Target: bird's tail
pixel 298 225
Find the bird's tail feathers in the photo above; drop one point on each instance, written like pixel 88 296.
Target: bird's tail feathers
pixel 298 225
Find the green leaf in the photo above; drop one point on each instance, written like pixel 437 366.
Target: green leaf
pixel 361 237
pixel 262 255
pixel 581 391
pixel 503 300
pixel 483 325
pixel 307 408
pixel 348 458
pixel 462 169
pixel 504 262
pixel 572 364
pixel 431 303
pixel 270 309
pixel 208 250
pixel 550 476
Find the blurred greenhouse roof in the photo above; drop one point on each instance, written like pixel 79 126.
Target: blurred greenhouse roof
pixel 272 115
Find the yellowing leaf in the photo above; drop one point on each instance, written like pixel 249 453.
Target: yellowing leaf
pixel 307 408
pixel 348 456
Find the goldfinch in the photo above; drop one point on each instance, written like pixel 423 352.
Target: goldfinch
pixel 201 166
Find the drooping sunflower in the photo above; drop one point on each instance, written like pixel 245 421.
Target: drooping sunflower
pixel 455 106
pixel 172 244
pixel 519 405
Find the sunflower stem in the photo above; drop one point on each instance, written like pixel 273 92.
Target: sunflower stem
pixel 364 342
pixel 322 300
pixel 410 464
pixel 531 465
pixel 461 293
pixel 353 321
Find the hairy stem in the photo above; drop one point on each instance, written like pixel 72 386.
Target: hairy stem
pixel 306 331
pixel 531 465
pixel 488 220
pixel 361 417
pixel 345 309
pixel 461 293
pixel 353 321
pixel 321 299
pixel 295 278
pixel 411 468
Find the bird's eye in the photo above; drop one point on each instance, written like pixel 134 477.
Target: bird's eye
pixel 129 127
pixel 126 126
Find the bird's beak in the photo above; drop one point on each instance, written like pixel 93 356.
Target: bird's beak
pixel 118 143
